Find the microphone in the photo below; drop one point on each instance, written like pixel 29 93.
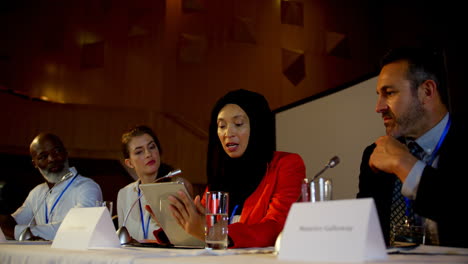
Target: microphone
pixel 331 163
pixel 305 186
pixel 168 176
pixel 122 232
pixel 26 234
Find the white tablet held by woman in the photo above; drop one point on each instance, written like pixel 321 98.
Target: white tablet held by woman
pixel 156 194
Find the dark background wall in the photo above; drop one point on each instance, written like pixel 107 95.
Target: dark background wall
pixel 18 177
pixel 87 70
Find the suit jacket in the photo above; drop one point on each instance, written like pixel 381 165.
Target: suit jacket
pixel 442 193
pixel 265 210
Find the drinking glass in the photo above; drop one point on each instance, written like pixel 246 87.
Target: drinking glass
pixel 216 229
pixel 407 235
pixel 317 190
pixel 108 204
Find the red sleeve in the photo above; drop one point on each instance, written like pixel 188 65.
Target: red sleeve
pixel 266 210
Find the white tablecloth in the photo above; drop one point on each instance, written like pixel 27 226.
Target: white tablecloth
pixel 42 253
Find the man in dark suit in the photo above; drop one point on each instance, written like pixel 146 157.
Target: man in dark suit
pixel 412 100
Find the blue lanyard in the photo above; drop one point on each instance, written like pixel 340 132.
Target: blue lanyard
pixel 441 140
pixel 145 230
pixel 433 156
pixel 233 213
pixel 56 201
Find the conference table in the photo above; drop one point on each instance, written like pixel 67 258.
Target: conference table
pixel 13 252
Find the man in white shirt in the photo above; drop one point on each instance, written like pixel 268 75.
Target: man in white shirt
pixel 47 204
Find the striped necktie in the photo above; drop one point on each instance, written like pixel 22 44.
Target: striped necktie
pixel 431 226
pixel 401 210
pixel 416 150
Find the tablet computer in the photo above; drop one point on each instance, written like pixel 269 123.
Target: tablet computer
pixel 156 194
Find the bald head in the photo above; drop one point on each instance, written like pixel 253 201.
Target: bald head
pixel 49 156
pixel 42 138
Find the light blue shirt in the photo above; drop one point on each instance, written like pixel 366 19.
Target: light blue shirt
pixel 82 192
pixel 428 142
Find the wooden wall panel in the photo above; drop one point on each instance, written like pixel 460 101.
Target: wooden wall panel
pixel 142 79
pixel 95 131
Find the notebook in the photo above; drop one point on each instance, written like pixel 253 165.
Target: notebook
pixel 156 194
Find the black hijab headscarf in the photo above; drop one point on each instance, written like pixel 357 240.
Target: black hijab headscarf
pixel 241 176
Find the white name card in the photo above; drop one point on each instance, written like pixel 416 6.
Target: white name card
pixel 2 236
pixel 84 228
pixel 333 231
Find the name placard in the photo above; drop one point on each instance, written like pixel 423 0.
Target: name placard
pixel 333 231
pixel 2 236
pixel 85 228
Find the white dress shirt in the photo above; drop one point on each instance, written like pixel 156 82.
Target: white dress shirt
pixel 76 191
pixel 125 199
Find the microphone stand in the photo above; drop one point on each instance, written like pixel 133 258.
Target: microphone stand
pixel 122 233
pixel 27 234
pixel 305 188
pixel 331 163
pixel 305 185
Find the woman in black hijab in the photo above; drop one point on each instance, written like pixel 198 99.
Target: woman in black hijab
pixel 241 176
pixel 262 183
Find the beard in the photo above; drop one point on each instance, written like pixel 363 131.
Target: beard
pixel 54 177
pixel 409 122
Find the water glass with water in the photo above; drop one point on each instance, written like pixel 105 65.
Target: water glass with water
pixel 216 229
